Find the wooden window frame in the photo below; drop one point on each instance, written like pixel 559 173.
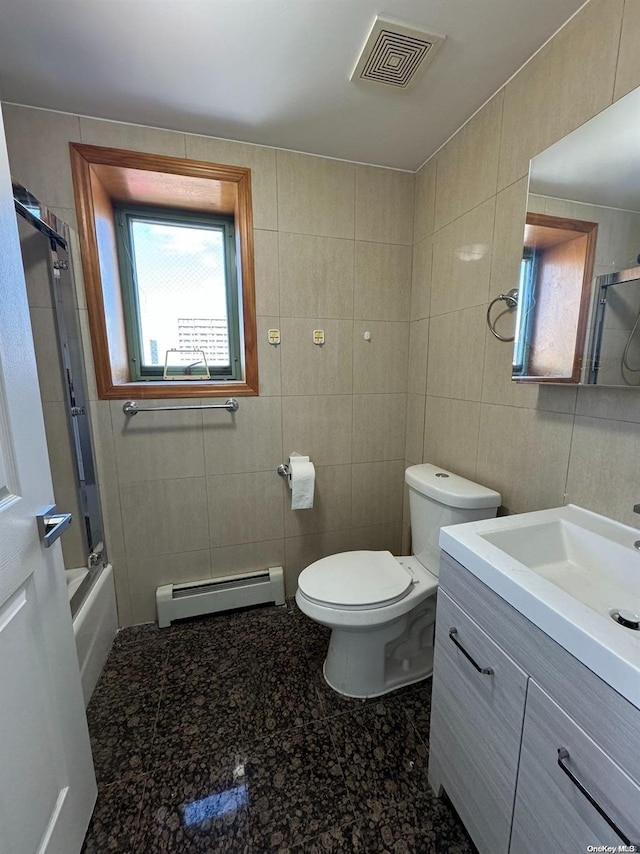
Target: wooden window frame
pixel 104 177
pixel 590 230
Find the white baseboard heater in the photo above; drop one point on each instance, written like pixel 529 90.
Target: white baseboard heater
pixel 193 599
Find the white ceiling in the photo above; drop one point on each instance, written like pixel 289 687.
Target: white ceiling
pixel 599 163
pixel 274 72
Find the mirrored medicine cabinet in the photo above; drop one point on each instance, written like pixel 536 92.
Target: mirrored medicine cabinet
pixel 578 303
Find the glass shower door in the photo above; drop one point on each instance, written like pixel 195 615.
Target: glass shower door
pixel 55 312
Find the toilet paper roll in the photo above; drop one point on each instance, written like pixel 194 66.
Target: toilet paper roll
pixel 302 481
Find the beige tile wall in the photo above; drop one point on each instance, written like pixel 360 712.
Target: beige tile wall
pixel 539 446
pixel 338 247
pixel 195 494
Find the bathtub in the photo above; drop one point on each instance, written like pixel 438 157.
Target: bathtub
pixel 95 621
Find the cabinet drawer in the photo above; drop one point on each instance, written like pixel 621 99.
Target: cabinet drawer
pixel 612 721
pixel 551 811
pixel 476 725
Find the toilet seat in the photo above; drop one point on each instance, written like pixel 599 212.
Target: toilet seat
pixel 356 580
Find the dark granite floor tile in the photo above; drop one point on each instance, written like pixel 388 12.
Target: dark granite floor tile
pixel 152 633
pixel 440 831
pixel 281 665
pixel 145 633
pixel 114 823
pixel 279 699
pixel 282 661
pixel 199 716
pixel 259 612
pixel 429 826
pixel 264 645
pixel 218 628
pixel 204 619
pixel 415 700
pixel 393 831
pixel 296 789
pixel 356 783
pixel 188 628
pixel 277 660
pixel 338 840
pixel 122 734
pixel 317 645
pixel 334 703
pixel 434 828
pixel 383 760
pixel 201 655
pixel 267 632
pixel 134 669
pixel 196 807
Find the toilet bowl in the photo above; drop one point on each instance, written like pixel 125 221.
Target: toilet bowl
pixel 380 608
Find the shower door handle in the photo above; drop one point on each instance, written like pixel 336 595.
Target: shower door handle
pixel 52 525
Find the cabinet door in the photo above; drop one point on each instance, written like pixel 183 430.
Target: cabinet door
pixel 476 726
pixel 552 811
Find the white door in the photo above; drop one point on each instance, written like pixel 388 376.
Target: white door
pixel 47 783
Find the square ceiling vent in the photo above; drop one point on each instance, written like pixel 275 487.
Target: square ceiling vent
pixel 395 55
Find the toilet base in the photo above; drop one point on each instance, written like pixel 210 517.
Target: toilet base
pixel 386 690
pixel 371 663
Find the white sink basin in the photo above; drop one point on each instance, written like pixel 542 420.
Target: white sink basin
pixel 569 571
pixel 599 572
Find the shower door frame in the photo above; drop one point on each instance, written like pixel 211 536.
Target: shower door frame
pixel 73 370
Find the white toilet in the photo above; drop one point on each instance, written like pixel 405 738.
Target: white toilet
pixel 381 608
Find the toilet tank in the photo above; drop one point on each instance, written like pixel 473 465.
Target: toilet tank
pixel 437 498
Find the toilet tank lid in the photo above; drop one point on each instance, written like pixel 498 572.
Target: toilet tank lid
pixel 450 489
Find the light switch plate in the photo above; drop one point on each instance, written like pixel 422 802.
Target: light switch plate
pixel 273 336
pixel 318 336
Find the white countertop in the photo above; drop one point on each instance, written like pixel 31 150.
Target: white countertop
pixel 606 582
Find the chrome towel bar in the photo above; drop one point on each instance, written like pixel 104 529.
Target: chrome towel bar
pixel 132 408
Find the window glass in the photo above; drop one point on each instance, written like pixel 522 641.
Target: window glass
pixel 180 273
pixel 526 305
pixel 181 303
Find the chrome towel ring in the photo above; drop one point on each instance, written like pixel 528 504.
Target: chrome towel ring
pixel 511 299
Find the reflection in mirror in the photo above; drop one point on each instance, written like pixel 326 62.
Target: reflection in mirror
pixel 616 335
pixel 555 287
pixel 579 293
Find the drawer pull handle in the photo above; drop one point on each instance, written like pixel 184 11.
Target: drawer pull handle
pixel 453 634
pixel 563 756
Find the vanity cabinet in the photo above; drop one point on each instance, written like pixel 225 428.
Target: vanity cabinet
pixel 506 698
pixel 476 724
pixel 558 764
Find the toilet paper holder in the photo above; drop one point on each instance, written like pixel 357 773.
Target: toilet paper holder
pixel 284 470
pixel 299 474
